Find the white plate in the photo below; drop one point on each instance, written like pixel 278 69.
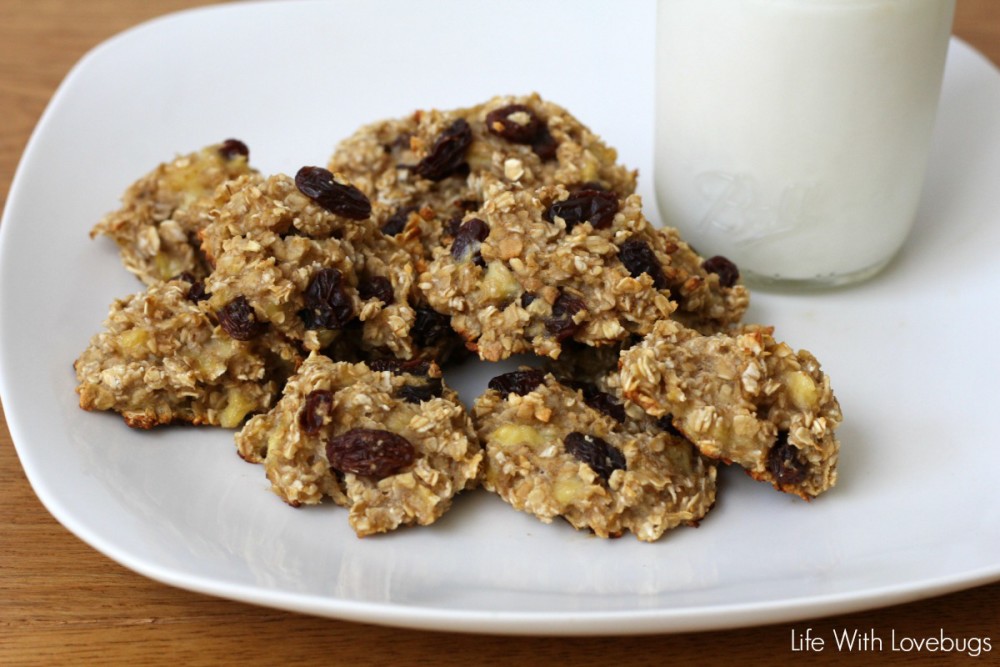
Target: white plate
pixel 913 353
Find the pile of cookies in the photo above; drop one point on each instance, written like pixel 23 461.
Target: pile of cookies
pixel 316 314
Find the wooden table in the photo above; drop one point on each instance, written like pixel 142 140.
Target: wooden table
pixel 63 603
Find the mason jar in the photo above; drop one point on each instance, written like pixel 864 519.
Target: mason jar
pixel 792 136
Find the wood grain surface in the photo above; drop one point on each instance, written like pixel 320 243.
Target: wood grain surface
pixel 62 603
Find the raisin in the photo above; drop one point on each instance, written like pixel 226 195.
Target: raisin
pixel 544 145
pixel 783 462
pixel 315 411
pixel 418 393
pixel 379 288
pixel 606 404
pixel 498 122
pixel 666 423
pixel 727 271
pixel 598 207
pixel 196 292
pixel 447 154
pixel 328 305
pixel 470 234
pixel 599 400
pixel 429 326
pixel 561 324
pixel 370 452
pixel 343 199
pixel 517 382
pixel 238 319
pixel 397 366
pixel 397 221
pixel 527 298
pixel 231 148
pixel 639 258
pixel 601 456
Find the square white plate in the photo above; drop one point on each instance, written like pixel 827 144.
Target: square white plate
pixel 912 353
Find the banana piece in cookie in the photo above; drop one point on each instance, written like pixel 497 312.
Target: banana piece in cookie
pixel 157 226
pixel 741 397
pixel 162 360
pixel 555 451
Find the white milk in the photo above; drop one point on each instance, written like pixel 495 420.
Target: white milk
pixel 792 135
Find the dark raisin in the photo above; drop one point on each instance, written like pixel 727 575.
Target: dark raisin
pixel 598 207
pixel 343 199
pixel 396 366
pixel 397 221
pixel 239 320
pixel 527 298
pixel 545 145
pixel 783 462
pixel 328 305
pixel 429 326
pixel 727 271
pixel 447 155
pixel 379 288
pixel 517 382
pixel 470 234
pixel 599 400
pixel 316 411
pixel 197 292
pixel 639 258
pixel 666 423
pixel 561 323
pixel 231 148
pixel 499 122
pixel 601 456
pixel 370 452
pixel 607 404
pixel 418 393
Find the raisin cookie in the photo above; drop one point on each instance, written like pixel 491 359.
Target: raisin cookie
pixel 424 172
pixel 305 259
pixel 553 452
pixel 157 226
pixel 534 268
pixel 390 441
pixel 743 398
pixel 162 360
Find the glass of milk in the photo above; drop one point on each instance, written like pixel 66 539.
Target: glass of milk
pixel 792 135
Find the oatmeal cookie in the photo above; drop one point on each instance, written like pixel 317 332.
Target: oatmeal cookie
pixel 305 256
pixel 162 360
pixel 425 171
pixel 552 450
pixel 389 441
pixel 157 226
pixel 744 398
pixel 534 268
